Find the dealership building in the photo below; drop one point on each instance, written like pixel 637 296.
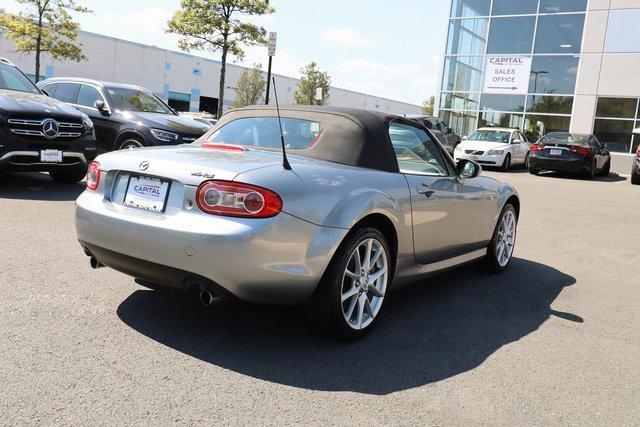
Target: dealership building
pixel 544 65
pixel 186 82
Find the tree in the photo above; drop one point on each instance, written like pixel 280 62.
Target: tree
pixel 251 87
pixel 45 27
pixel 428 106
pixel 312 79
pixel 210 25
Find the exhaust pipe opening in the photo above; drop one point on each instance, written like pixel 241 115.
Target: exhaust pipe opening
pixel 95 263
pixel 206 296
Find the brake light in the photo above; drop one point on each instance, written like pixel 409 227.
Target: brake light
pixel 93 176
pixel 225 147
pixel 583 151
pixel 237 199
pixel 536 147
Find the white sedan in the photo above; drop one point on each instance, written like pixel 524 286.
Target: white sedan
pixel 502 147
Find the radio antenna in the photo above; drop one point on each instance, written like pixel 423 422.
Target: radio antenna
pixel 285 162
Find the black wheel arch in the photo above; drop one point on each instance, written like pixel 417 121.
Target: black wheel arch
pixel 128 133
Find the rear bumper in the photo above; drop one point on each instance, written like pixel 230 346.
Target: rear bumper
pixel 558 165
pixel 278 260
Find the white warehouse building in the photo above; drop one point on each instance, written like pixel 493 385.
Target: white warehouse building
pixel 187 82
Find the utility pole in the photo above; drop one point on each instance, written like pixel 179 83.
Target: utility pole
pixel 272 52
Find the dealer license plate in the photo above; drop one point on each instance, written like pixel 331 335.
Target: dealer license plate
pixel 51 156
pixel 555 152
pixel 147 193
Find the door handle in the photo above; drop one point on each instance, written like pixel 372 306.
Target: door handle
pixel 425 190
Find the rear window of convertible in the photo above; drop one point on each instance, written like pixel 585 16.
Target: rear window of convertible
pixel 265 132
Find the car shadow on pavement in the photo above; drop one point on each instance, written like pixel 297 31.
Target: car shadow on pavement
pixel 36 186
pixel 427 333
pixel 612 177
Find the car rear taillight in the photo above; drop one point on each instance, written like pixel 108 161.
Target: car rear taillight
pixel 583 151
pixel 93 176
pixel 536 147
pixel 236 199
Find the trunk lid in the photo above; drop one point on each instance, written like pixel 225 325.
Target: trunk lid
pixel 189 164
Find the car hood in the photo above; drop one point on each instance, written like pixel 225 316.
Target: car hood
pixel 169 122
pixel 13 102
pixel 482 145
pixel 191 164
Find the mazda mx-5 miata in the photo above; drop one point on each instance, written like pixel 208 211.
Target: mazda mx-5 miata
pixel 357 203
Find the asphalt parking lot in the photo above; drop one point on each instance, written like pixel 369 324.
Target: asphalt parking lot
pixel 554 340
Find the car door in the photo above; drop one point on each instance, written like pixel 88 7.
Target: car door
pixel 602 154
pixel 518 147
pixel 447 213
pixel 104 126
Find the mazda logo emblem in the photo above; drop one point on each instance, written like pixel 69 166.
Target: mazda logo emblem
pixel 50 128
pixel 144 165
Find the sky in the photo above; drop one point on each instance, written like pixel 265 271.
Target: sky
pixel 389 49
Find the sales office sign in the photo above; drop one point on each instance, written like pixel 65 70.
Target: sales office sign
pixel 507 74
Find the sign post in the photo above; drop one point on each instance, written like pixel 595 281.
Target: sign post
pixel 273 37
pixel 507 74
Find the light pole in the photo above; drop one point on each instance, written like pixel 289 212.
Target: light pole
pixel 535 85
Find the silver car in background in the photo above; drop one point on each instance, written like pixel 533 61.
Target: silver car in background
pixel 370 202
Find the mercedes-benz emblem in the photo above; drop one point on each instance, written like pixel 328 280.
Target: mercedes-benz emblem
pixel 50 128
pixel 144 165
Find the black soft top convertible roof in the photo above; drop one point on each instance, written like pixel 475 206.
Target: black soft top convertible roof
pixel 351 136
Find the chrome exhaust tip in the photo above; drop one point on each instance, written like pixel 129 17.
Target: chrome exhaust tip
pixel 206 296
pixel 95 264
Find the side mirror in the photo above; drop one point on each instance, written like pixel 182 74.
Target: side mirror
pixel 467 169
pixel 464 137
pixel 101 106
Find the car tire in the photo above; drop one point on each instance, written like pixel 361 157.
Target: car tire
pixel 69 175
pixel 526 161
pixel 494 261
pixel 606 169
pixel 342 306
pixel 506 164
pixel 130 143
pixel 592 171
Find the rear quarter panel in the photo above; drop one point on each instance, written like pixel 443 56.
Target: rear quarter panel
pixel 334 195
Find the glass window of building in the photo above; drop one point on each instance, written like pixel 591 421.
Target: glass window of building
pixel 505 120
pixel 462 73
pixel 514 7
pixel 511 35
pixel 464 122
pixel 617 107
pixel 459 101
pixel 555 6
pixel 553 74
pixel 502 102
pixel 558 33
pixel 537 125
pixel 467 36
pixel 466 8
pixel 550 104
pixel 616 134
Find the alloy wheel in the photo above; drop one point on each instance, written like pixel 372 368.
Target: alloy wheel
pixel 506 238
pixel 130 144
pixel 364 283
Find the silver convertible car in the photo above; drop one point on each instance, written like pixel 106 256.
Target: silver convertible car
pixel 357 204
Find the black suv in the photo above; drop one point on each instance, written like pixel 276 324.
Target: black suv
pixel 446 136
pixel 125 116
pixel 38 133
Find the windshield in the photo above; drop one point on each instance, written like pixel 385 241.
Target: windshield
pixel 12 79
pixel 137 100
pixel 265 132
pixel 565 138
pixel 491 136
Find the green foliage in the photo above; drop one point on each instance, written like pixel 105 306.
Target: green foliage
pixel 211 25
pixel 312 79
pixel 45 26
pixel 251 87
pixel 428 106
